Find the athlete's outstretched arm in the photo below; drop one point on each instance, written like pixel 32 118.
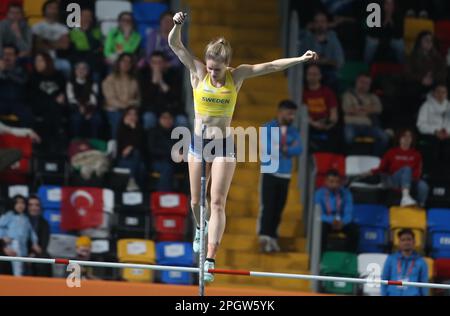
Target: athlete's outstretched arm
pixel 175 43
pixel 243 72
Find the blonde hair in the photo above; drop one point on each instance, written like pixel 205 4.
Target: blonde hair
pixel 219 50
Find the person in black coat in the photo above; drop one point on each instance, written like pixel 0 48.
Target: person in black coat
pixel 159 146
pixel 42 229
pixel 5 267
pixel 130 146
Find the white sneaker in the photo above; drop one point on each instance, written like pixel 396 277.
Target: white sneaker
pixel 265 244
pixel 275 247
pixel 208 277
pixel 196 242
pixel 407 200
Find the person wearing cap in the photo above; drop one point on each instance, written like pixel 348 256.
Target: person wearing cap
pixel 84 247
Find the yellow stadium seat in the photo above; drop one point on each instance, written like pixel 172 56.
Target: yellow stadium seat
pixel 413 27
pixel 137 275
pixel 408 217
pixel 430 264
pixel 33 7
pixel 136 251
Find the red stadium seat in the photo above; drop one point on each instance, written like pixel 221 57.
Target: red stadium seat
pixel 169 203
pixel 17 173
pixel 442 33
pixel 442 269
pixel 170 227
pixel 325 162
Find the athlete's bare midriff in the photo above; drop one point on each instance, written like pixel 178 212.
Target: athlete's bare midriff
pixel 216 126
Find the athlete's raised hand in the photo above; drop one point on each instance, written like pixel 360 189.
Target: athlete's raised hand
pixel 310 55
pixel 179 18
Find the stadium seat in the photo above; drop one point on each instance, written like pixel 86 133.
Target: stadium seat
pixel 373 222
pixel 147 17
pixel 18 172
pixel 326 161
pixel 107 10
pixel 438 221
pixel 175 254
pixel 53 217
pixel 13 190
pixel 137 275
pixel 349 72
pixel 50 196
pixel 356 165
pixel 374 262
pixel 367 195
pixel 170 227
pixel 430 265
pixel 412 28
pixel 439 195
pixel 133 201
pixel 442 269
pixel 62 246
pixel 169 203
pixel 33 8
pixel 50 169
pixel 136 251
pixel 338 264
pixel 133 223
pixel 404 217
pixel 442 32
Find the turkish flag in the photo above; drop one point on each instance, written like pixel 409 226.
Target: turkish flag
pixel 81 208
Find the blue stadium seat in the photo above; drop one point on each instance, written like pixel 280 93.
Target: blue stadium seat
pixel 373 222
pixel 175 254
pixel 147 17
pixel 53 217
pixel 438 224
pixel 50 196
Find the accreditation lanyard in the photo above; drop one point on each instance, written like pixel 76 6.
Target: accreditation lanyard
pixel 328 203
pixel 409 271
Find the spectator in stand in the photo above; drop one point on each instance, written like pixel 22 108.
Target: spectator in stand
pixel 121 90
pixel 52 37
pixel 130 148
pixel 15 31
pixel 122 39
pixel 425 66
pixel 361 115
pixel 323 113
pixel 87 43
pixel 16 231
pixel 326 43
pixel 157 40
pixel 336 204
pixel 13 79
pixel 82 96
pixel 275 186
pixel 405 265
pixel 401 167
pixel 42 230
pixel 160 91
pixel 47 100
pixel 10 156
pixel 433 123
pixel 386 43
pixel 84 248
pixel 159 148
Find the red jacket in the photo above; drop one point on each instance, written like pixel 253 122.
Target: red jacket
pixel 397 158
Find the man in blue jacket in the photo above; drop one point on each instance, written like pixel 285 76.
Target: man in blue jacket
pixel 405 265
pixel 336 203
pixel 274 186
